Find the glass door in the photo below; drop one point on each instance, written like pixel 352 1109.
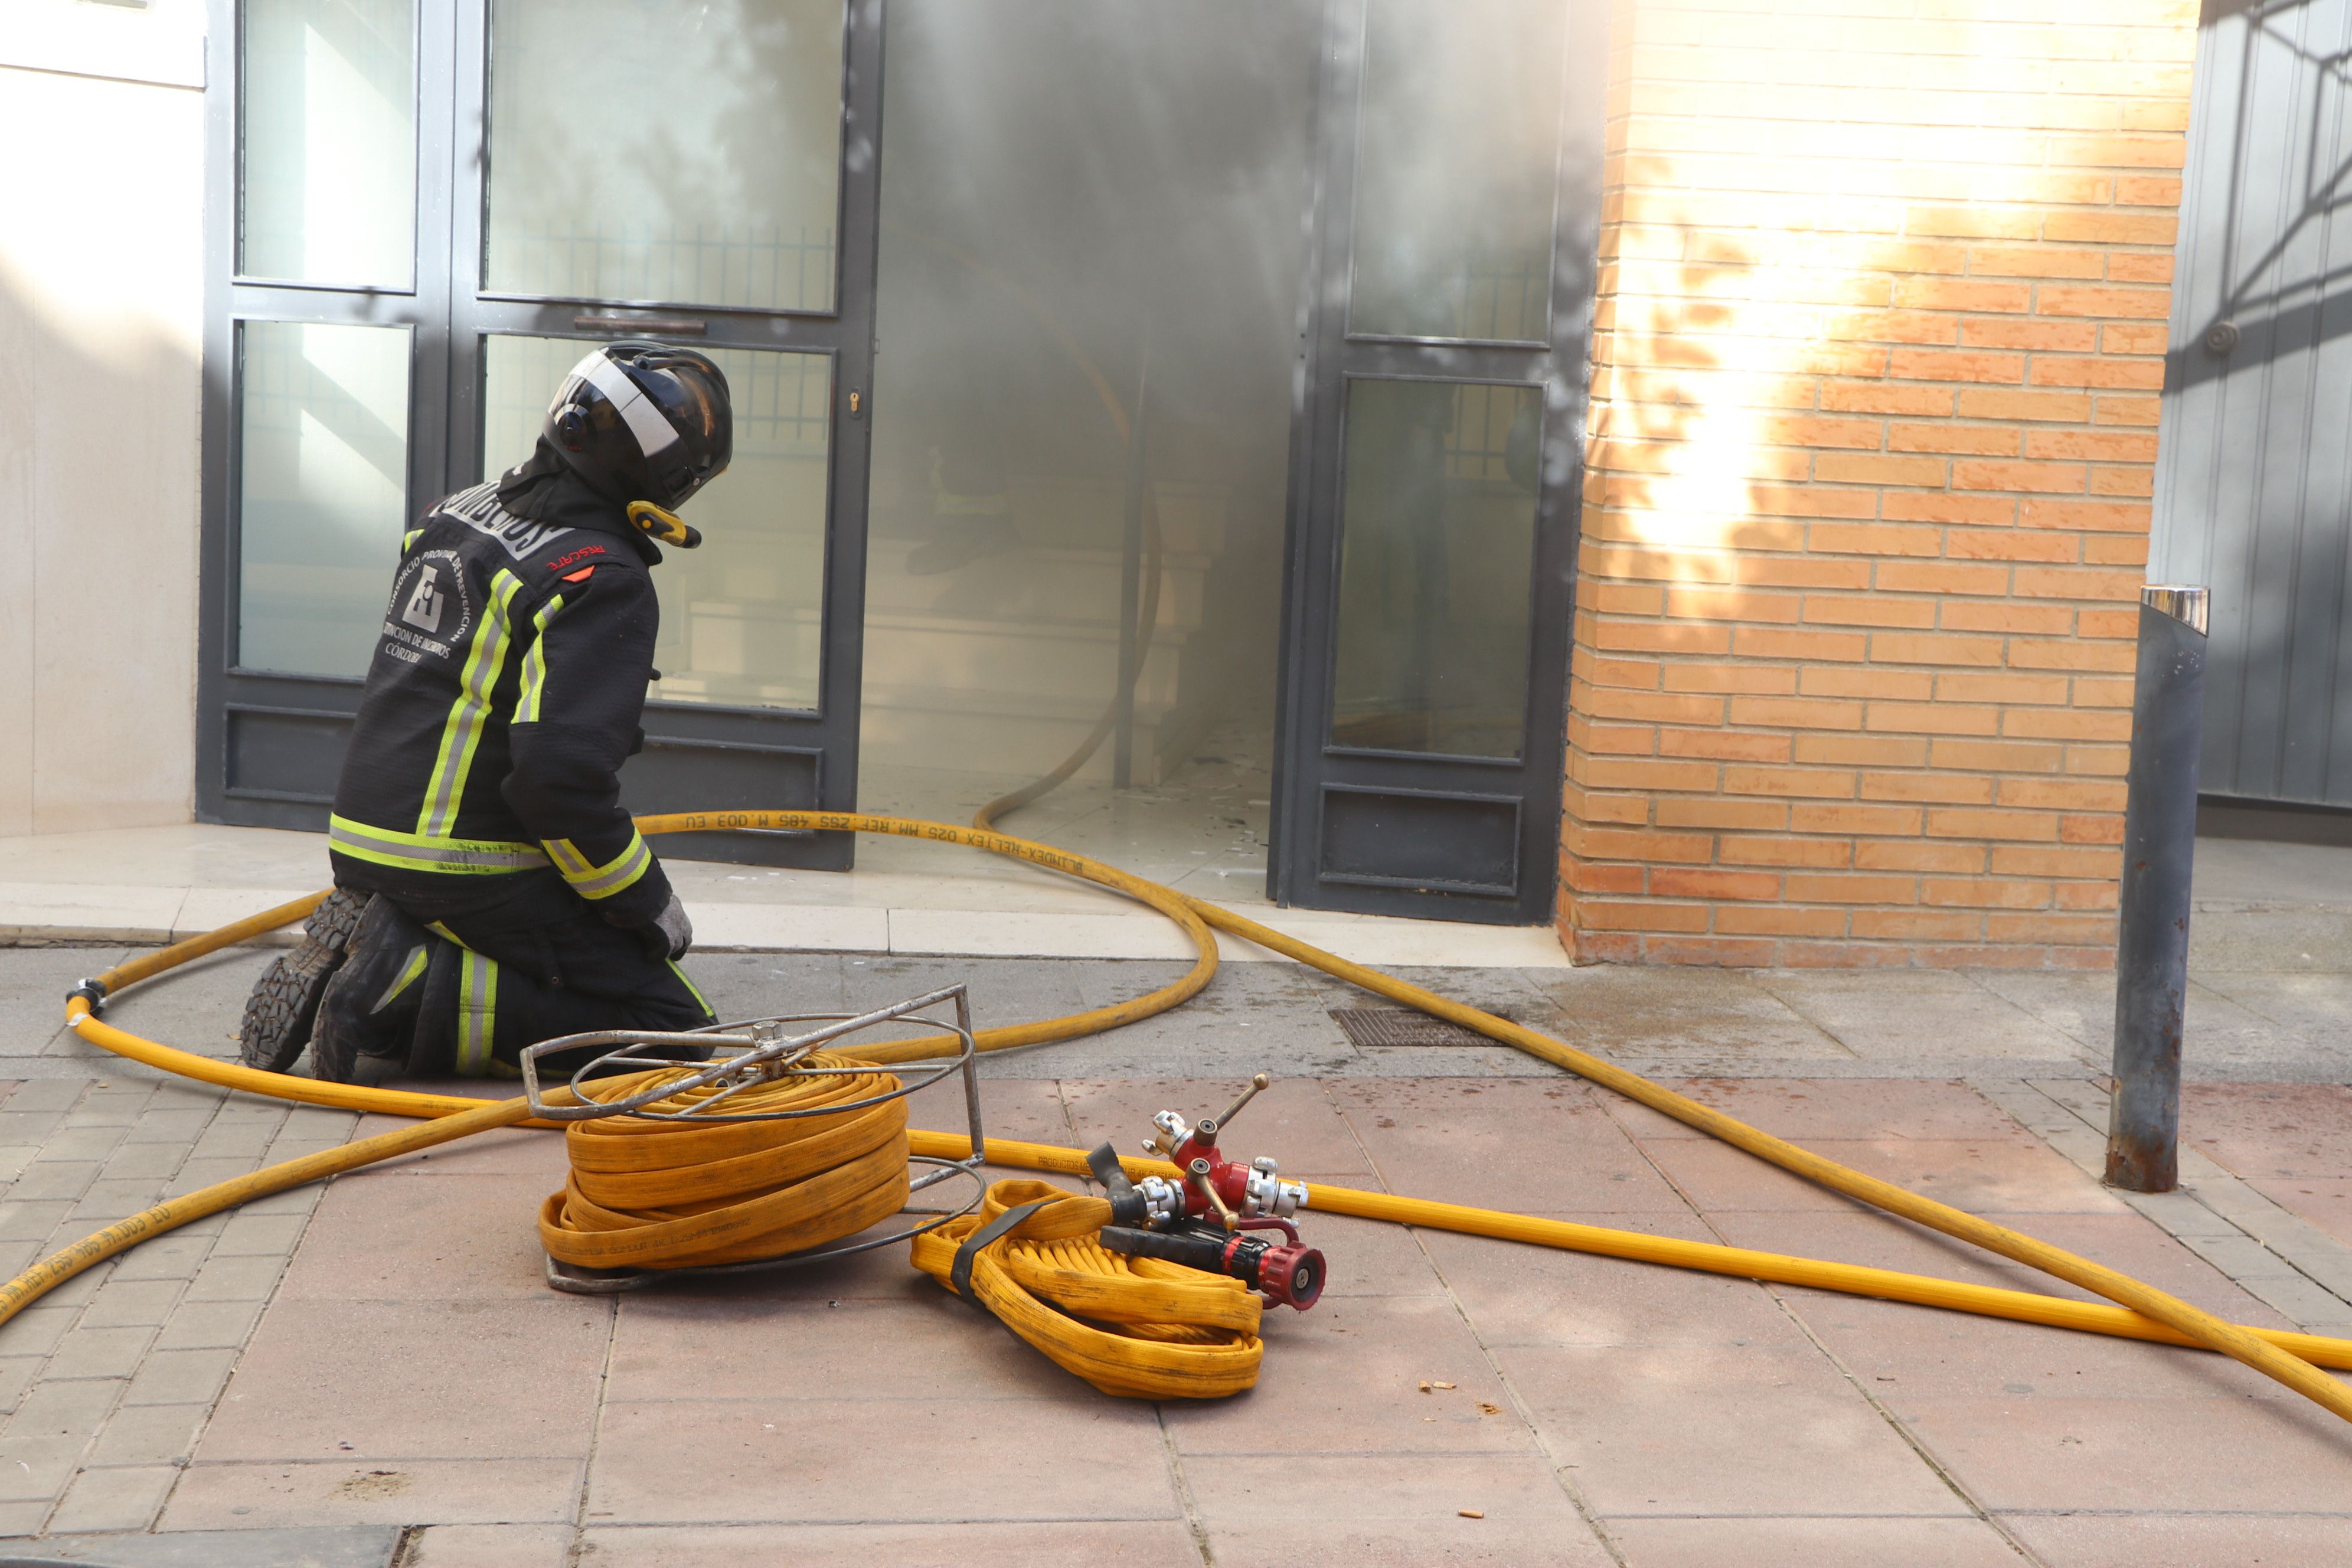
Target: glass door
pixel 1433 519
pixel 434 208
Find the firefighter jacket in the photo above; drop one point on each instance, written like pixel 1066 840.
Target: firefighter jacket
pixel 504 695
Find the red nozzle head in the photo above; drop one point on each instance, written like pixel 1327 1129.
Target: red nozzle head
pixel 1291 1275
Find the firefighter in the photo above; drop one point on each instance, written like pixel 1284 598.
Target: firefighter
pixel 490 892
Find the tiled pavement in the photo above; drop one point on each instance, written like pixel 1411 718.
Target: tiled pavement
pixel 381 1356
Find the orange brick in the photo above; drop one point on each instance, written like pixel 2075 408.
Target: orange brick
pixel 2124 408
pixel 2095 227
pixel 1809 888
pixel 1714 812
pixel 1917 925
pixel 1781 920
pixel 1594 877
pixel 1816 781
pixel 2062 795
pixel 2074 896
pixel 1971 294
pixel 2053 370
pixel 1638 674
pixel 1620 844
pixel 2111 517
pixel 1731 604
pixel 1586 806
pixel 1875 539
pixel 1971 366
pixel 1985 892
pixel 2111 550
pixel 2086 829
pixel 2035 335
pixel 2140 267
pixel 2052 860
pixel 1979 441
pixel 1711 952
pixel 2012 544
pixel 2098 446
pixel 2076 582
pixel 2039 653
pixel 1620 599
pixel 2000 756
pixel 1660 637
pixel 1877 397
pixel 1950 789
pixel 2035 261
pixel 1877 469
pixel 1843 955
pixel 2005 824
pixel 2054 478
pixel 1977 616
pixel 1859 610
pixel 1981 687
pixel 2107 624
pixel 1863 750
pixel 1796 712
pixel 2150 190
pixel 1945 506
pixel 1769 679
pixel 1933 719
pixel 1801 572
pixel 1843 680
pixel 2058 407
pixel 1611 739
pixel 1753 849
pixel 1971 223
pixel 1614 914
pixel 1727 746
pixel 1772 642
pixel 1596 947
pixel 1942 577
pixel 1909 648
pixel 1675 882
pixel 1891 820
pixel 1644 773
pixel 2061 300
pixel 2134 338
pixel 1918 855
pixel 1603 702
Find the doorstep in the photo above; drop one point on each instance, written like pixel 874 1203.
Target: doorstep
pixel 150 885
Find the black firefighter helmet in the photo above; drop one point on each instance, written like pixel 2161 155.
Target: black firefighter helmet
pixel 644 421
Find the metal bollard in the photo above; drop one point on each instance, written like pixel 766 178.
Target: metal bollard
pixel 2159 844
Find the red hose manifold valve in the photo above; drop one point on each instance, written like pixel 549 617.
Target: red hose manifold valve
pixel 1204 1218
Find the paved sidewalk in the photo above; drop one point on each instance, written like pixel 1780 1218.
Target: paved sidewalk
pixel 376 1367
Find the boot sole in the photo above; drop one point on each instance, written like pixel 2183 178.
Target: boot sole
pixel 284 1006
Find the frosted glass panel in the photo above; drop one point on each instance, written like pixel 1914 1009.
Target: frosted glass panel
pixel 682 152
pixel 329 143
pixel 322 461
pixel 742 617
pixel 1453 219
pixel 1437 552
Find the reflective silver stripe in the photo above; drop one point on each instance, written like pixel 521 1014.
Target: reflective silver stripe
pixel 646 422
pixel 478 1014
pixel 420 853
pixel 534 664
pixel 594 881
pixel 462 732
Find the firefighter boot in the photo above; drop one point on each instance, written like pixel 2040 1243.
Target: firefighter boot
pixel 369 1007
pixel 285 1002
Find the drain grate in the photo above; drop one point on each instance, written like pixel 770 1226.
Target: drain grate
pixel 1401 1026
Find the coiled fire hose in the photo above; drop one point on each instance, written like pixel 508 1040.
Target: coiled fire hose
pixel 655 1195
pixel 1171 1333
pixel 2140 1310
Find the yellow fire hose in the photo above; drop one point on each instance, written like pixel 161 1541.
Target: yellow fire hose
pixel 2141 1311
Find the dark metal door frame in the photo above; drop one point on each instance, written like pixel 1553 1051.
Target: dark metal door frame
pixel 1415 790
pixel 766 757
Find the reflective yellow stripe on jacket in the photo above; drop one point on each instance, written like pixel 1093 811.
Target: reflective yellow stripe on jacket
pixel 430 852
pixel 462 732
pixel 590 880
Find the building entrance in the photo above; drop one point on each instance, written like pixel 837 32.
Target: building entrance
pixel 1166 413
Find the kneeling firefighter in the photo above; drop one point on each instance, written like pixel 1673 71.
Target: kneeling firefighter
pixel 490 892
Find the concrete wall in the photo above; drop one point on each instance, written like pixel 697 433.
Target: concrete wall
pixel 1879 338
pixel 101 290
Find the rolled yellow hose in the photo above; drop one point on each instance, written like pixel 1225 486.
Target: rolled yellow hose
pixel 2149 1313
pixel 1173 1332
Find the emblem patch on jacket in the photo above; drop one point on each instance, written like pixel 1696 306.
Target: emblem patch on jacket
pixel 430 611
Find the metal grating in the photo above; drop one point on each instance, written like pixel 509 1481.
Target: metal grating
pixel 1401 1026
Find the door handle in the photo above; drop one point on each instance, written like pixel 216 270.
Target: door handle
pixel 611 322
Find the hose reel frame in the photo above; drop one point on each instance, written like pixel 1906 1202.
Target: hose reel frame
pixel 764 1052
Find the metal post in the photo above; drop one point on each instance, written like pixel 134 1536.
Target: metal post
pixel 2159 844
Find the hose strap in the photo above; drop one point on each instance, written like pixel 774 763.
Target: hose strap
pixel 959 1276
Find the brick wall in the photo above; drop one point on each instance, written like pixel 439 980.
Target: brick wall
pixel 1877 350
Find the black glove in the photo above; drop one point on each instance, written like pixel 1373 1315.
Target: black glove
pixel 671 934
